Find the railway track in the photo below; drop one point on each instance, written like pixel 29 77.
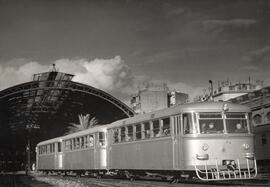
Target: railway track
pixel 143 182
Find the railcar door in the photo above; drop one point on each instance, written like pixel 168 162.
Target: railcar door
pixel 176 124
pixel 58 159
pixel 100 151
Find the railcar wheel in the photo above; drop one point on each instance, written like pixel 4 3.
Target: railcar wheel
pixel 174 180
pixel 97 175
pixel 132 178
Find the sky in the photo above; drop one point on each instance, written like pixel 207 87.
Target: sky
pixel 117 45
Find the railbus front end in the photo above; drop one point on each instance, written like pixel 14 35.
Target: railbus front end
pixel 218 145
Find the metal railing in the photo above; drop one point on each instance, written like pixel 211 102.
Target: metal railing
pixel 215 173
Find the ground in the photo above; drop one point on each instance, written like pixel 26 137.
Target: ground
pixel 19 179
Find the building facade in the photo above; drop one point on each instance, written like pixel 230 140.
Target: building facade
pixel 226 90
pixel 156 97
pixel 259 102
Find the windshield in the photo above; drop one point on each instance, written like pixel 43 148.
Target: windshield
pixel 211 123
pixel 236 123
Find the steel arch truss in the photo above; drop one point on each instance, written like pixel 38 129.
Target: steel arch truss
pixel 25 102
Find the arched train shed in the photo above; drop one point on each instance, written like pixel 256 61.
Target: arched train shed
pixel 43 109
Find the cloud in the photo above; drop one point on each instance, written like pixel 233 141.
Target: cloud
pixel 257 56
pixel 106 74
pixel 111 75
pixel 176 12
pixel 235 23
pixel 11 75
pixel 251 68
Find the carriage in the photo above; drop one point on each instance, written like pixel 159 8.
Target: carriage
pixel 208 141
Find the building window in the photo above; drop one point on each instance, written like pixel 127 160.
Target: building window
pixel 268 116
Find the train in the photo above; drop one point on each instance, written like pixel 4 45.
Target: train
pixel 208 141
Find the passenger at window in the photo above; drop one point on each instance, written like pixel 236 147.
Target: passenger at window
pixel 203 128
pixel 239 128
pixel 159 134
pixel 211 127
pixel 128 138
pixel 166 132
pixel 147 134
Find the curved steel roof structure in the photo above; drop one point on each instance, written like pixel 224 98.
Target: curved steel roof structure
pixel 50 103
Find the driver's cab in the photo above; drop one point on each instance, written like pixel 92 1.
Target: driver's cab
pixel 215 123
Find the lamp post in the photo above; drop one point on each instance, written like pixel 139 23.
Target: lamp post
pixel 28 151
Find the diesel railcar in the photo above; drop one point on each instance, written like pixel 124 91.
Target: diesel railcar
pixel 208 141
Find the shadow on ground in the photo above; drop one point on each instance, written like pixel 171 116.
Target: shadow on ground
pixel 20 180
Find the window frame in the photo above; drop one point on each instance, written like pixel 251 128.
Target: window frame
pixel 221 118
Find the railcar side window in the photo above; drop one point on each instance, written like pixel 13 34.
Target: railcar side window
pixel 91 140
pixel 59 146
pixel 115 135
pixel 138 132
pixel 156 129
pixel 67 145
pixel 82 142
pixel 166 127
pixel 187 122
pixel 101 138
pixel 87 141
pixel 51 148
pixel 123 134
pixel 147 130
pixel 77 140
pixel 211 123
pixel 129 133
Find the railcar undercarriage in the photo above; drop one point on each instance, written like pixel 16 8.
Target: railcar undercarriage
pixel 172 176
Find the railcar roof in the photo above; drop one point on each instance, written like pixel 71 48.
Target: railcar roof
pixel 190 107
pixel 80 133
pixel 50 141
